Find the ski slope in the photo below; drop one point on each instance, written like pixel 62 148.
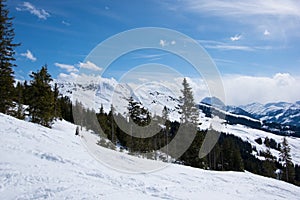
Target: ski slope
pixel 41 163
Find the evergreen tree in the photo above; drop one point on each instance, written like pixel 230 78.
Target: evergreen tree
pixel 19 90
pixel 165 119
pixel 101 110
pixel 26 93
pixel 139 117
pixel 287 160
pixel 57 109
pixel 6 58
pixel 102 119
pixel 138 113
pixel 188 110
pixel 112 123
pixel 165 114
pixel 269 168
pixel 41 103
pixel 65 105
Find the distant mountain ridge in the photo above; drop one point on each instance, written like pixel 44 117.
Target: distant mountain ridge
pixel 278 112
pixel 281 112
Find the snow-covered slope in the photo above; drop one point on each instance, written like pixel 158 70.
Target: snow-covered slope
pixel 41 163
pixel 250 135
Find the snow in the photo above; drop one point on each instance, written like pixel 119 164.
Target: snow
pixel 41 163
pixel 249 135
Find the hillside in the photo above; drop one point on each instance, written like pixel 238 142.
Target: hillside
pixel 41 163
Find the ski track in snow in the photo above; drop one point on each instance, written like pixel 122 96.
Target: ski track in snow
pixel 41 163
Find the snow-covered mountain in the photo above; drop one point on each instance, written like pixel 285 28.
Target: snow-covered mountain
pixel 42 163
pixel 281 112
pixel 280 118
pixel 217 103
pixel 96 91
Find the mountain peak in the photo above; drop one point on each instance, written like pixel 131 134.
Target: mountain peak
pixel 214 101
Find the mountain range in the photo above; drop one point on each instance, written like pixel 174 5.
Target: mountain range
pixel 278 117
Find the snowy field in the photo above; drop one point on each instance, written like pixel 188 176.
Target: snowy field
pixel 41 163
pixel 250 134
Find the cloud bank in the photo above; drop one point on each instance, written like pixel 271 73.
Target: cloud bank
pixel 240 89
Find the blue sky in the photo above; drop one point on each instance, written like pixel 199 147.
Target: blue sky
pixel 246 39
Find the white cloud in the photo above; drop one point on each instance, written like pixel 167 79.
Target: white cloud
pixel 40 13
pixel 281 16
pixel 236 38
pixel 266 33
pixel 79 78
pixel 67 77
pixel 143 79
pixel 210 44
pixel 242 89
pixel 149 56
pixel 65 23
pixel 68 68
pixel 230 47
pixel 246 8
pixel 29 56
pixel 89 65
pixel 163 43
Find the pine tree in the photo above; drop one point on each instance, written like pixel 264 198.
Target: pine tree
pixel 19 90
pixel 6 58
pixel 287 160
pixel 165 118
pixel 65 105
pixel 26 93
pixel 188 110
pixel 112 123
pixel 165 114
pixel 138 113
pixel 41 103
pixel 57 109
